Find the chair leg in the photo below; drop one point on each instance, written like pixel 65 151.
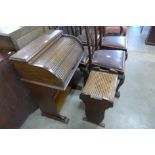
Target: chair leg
pixel 126 55
pixel 141 29
pixel 85 72
pixel 122 79
pixel 85 75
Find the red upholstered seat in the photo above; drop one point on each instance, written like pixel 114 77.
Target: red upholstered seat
pixel 116 42
pixel 112 29
pixel 115 30
pixel 109 59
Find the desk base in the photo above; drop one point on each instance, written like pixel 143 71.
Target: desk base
pixel 57 117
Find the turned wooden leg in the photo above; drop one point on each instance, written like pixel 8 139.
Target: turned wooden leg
pixel 126 55
pixel 121 81
pixel 85 72
pixel 141 29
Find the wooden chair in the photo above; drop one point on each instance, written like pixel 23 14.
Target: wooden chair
pixel 76 30
pixel 113 42
pixel 89 47
pixel 79 32
pixel 112 61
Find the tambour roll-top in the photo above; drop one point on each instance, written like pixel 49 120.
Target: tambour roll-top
pixel 49 60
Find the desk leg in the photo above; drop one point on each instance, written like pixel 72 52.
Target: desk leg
pixel 56 117
pixel 45 98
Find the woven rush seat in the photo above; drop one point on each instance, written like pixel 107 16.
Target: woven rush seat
pixel 98 95
pixel 101 85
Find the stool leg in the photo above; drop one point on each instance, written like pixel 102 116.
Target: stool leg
pixel 95 109
pixel 122 79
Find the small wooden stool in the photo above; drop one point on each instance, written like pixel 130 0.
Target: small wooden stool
pixel 98 95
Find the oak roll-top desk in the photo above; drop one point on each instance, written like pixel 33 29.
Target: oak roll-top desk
pixel 46 66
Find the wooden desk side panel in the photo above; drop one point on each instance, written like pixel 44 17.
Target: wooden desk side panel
pixel 43 97
pixel 37 74
pixel 49 100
